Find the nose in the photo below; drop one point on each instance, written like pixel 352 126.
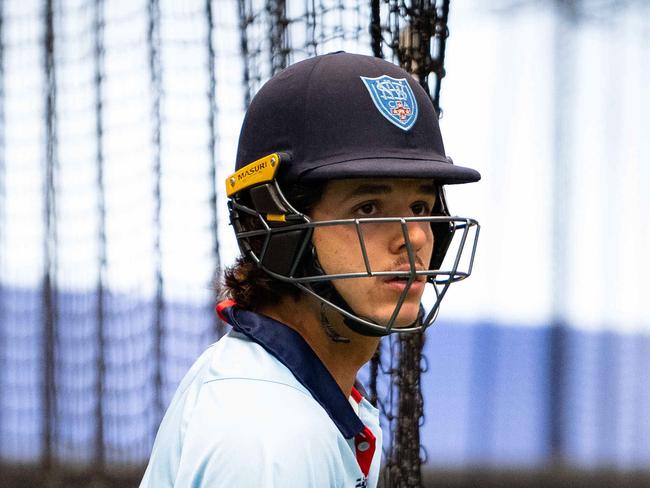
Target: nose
pixel 419 235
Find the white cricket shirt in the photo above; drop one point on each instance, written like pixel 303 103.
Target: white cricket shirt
pixel 259 410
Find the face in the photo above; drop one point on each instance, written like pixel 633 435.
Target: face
pixel 339 250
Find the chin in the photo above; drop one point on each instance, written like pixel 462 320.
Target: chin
pixel 407 315
pixel 405 322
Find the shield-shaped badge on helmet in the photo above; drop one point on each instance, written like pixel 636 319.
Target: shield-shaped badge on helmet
pixel 394 99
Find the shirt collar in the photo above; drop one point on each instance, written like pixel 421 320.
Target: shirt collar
pixel 288 347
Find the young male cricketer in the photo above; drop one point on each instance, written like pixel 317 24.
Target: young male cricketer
pixel 338 209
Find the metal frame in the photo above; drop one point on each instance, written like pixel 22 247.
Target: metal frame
pixel 440 286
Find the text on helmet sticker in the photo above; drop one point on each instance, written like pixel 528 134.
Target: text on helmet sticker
pixel 260 171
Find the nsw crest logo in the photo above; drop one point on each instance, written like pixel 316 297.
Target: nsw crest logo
pixel 394 99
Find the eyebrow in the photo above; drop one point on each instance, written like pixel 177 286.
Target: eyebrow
pixel 377 189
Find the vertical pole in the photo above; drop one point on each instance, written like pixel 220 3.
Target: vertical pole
pixel 566 16
pixel 375 29
pixel 245 53
pixel 100 362
pixel 374 373
pixel 311 45
pixel 153 39
pixel 410 411
pixel 49 250
pixel 440 34
pixel 212 148
pixel 279 48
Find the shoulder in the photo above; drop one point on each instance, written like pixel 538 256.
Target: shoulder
pixel 265 405
pixel 258 433
pixel 239 407
pixel 233 357
pixel 236 380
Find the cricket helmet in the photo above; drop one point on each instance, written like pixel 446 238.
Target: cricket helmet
pixel 342 116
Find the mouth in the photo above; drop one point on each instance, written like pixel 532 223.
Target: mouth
pixel 400 282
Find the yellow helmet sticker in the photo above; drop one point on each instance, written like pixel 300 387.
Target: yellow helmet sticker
pixel 276 217
pixel 260 171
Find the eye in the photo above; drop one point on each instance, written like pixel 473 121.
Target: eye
pixel 366 209
pixel 420 209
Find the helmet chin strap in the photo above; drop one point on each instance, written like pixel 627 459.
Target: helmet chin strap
pixel 361 329
pixel 327 327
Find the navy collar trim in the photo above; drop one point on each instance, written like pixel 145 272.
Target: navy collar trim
pixel 288 347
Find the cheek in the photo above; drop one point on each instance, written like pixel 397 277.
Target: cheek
pixel 338 249
pixel 325 244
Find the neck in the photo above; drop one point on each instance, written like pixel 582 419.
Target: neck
pixel 342 359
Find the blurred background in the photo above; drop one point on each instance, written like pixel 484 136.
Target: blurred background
pixel 118 125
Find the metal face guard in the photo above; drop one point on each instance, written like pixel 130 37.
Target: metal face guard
pixel 286 243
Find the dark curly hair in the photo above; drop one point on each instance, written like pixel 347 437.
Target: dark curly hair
pixel 250 286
